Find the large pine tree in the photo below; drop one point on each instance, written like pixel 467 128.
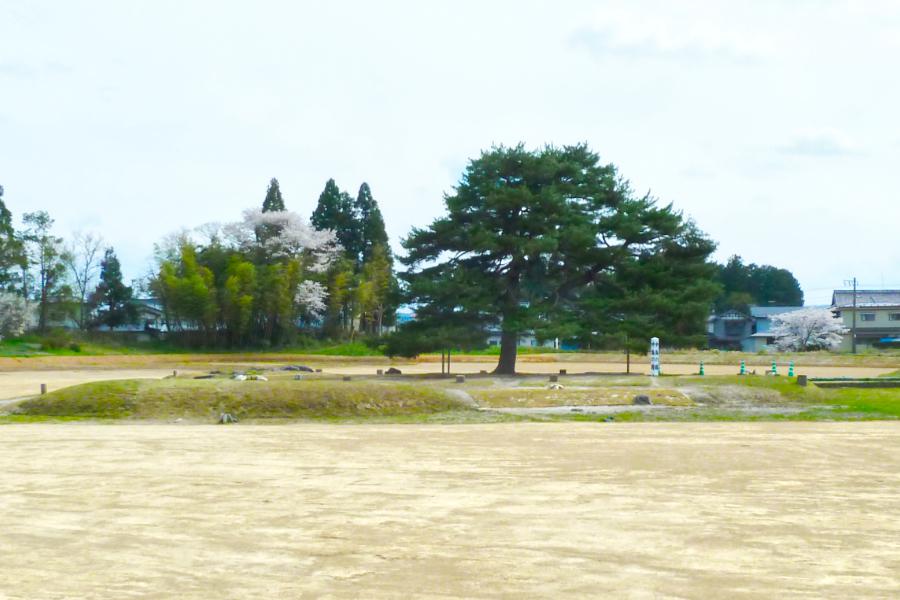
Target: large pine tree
pixel 527 237
pixel 273 202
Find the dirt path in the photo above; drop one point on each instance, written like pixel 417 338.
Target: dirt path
pixel 19 384
pixel 494 511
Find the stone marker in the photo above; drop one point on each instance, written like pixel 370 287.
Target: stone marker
pixel 802 381
pixel 642 400
pixel 460 379
pixel 43 389
pixel 562 371
pixel 379 372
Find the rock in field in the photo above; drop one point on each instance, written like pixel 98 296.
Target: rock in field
pixel 642 399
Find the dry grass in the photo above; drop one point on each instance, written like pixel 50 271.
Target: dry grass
pixel 519 397
pixel 206 399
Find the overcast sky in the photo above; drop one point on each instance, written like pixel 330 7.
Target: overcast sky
pixel 774 125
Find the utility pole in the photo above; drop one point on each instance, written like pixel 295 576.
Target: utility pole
pixel 853 326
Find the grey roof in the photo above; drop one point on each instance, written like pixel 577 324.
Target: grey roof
pixel 768 311
pixel 866 298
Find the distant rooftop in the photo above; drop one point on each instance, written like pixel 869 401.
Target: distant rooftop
pixel 866 298
pixel 768 311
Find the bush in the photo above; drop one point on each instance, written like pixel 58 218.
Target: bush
pixel 56 339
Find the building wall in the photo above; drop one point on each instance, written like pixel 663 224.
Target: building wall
pixel 882 323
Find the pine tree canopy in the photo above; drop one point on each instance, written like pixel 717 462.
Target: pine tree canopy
pixel 531 240
pixel 273 202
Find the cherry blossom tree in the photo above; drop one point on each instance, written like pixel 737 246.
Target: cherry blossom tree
pixel 808 329
pixel 14 315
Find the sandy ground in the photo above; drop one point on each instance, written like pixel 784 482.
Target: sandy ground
pixel 605 367
pixel 764 510
pixel 20 383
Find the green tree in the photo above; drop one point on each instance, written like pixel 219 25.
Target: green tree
pixel 44 253
pixel 273 202
pixel 335 210
pixel 371 228
pixel 374 289
pixel 12 259
pixel 746 284
pixel 113 300
pixel 527 236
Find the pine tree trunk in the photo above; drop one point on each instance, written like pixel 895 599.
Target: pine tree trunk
pixel 509 342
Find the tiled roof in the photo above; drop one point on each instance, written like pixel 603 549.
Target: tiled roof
pixel 866 298
pixel 768 311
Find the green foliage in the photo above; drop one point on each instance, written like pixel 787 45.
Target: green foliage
pixel 743 285
pixel 551 241
pixel 44 253
pixel 112 300
pixel 335 211
pixel 362 289
pixel 12 258
pixel 273 201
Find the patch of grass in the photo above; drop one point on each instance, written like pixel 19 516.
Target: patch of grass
pixel 102 399
pixel 348 349
pixel 17 419
pixel 518 397
pixel 206 399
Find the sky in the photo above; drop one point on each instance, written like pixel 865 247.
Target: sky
pixel 774 125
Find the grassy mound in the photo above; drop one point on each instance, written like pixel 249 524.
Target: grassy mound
pixel 206 399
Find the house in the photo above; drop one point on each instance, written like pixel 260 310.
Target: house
pixel 737 330
pixel 877 317
pixel 527 339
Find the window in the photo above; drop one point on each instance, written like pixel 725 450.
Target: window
pixel 866 316
pixel 894 317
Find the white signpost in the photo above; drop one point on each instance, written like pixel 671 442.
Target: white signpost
pixel 654 357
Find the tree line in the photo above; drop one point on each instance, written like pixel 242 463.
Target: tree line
pixel 80 280
pixel 552 243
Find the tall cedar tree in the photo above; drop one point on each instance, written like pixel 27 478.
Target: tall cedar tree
pixel 335 211
pixel 526 239
pixel 273 202
pixel 371 222
pixel 113 299
pixel 363 284
pixel 11 258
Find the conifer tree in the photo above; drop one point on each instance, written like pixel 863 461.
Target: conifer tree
pixel 273 202
pixel 371 222
pixel 528 236
pixel 335 211
pixel 113 299
pixel 11 258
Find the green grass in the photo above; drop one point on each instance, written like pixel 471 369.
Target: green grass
pixel 206 399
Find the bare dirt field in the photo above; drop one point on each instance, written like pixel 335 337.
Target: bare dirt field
pixel 761 510
pixel 18 384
